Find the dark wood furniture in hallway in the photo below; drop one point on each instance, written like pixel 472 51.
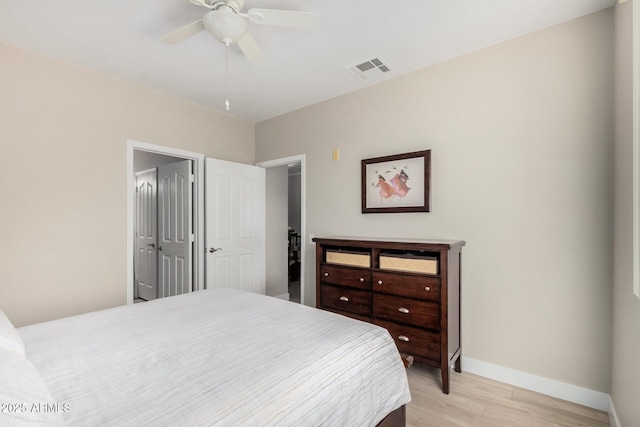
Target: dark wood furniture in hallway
pixel 294 256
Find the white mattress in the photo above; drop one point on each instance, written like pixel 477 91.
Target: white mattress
pixel 218 357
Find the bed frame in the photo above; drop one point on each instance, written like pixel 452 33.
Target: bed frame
pixel 397 418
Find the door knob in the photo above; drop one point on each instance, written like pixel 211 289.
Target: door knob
pixel 153 245
pixel 212 250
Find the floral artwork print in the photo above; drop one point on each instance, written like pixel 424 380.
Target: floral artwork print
pixel 398 183
pixel 396 186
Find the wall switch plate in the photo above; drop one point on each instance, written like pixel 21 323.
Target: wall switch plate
pixel 311 242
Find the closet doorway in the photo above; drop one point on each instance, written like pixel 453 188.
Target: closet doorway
pixel 163 250
pixel 163 247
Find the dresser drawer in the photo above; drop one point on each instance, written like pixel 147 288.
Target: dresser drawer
pixel 408 285
pixel 412 340
pixel 345 299
pixel 346 276
pixel 424 314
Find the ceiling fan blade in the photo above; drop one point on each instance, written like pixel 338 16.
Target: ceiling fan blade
pixel 250 48
pixel 184 32
pixel 283 18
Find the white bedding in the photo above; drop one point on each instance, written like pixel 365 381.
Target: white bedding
pixel 218 357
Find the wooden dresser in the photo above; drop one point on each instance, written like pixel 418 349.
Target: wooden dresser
pixel 410 287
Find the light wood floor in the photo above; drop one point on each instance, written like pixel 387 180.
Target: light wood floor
pixel 478 401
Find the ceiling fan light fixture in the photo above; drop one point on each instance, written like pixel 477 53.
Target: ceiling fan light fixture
pixel 225 25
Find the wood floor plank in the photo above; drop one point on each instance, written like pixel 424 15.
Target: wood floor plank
pixel 482 402
pixel 588 416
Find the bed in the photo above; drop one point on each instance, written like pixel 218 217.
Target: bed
pixel 216 357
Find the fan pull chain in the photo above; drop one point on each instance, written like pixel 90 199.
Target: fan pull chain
pixel 226 61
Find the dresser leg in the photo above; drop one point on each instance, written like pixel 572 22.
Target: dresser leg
pixel 457 365
pixel 445 379
pixel 446 375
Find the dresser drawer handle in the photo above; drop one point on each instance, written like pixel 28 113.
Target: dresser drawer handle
pixel 403 310
pixel 326 274
pixel 361 279
pixel 343 298
pixel 379 282
pixel 403 338
pixel 427 288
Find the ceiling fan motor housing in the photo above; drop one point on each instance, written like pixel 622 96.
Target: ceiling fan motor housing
pixel 236 5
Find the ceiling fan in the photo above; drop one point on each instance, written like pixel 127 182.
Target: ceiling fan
pixel 228 24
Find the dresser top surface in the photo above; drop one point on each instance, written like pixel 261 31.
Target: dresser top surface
pixel 381 241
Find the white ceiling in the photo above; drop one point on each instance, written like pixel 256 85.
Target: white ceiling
pixel 301 67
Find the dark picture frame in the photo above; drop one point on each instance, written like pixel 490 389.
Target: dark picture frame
pixel 397 184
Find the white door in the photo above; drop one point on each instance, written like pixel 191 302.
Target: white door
pixel 145 260
pixel 175 232
pixel 235 226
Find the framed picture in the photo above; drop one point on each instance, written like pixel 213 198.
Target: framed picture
pixel 399 183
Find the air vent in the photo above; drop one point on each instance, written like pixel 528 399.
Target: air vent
pixel 371 69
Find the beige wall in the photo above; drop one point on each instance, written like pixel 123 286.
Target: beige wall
pixel 294 211
pixel 521 140
pixel 63 135
pixel 625 381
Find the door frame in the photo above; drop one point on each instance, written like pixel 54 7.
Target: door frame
pixel 303 217
pixel 198 209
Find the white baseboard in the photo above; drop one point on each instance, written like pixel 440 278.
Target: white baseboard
pixel 283 296
pixel 564 391
pixel 613 416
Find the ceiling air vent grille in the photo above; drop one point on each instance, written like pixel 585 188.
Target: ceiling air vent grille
pixel 373 68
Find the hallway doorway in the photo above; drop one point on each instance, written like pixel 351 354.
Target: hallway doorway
pixel 286 231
